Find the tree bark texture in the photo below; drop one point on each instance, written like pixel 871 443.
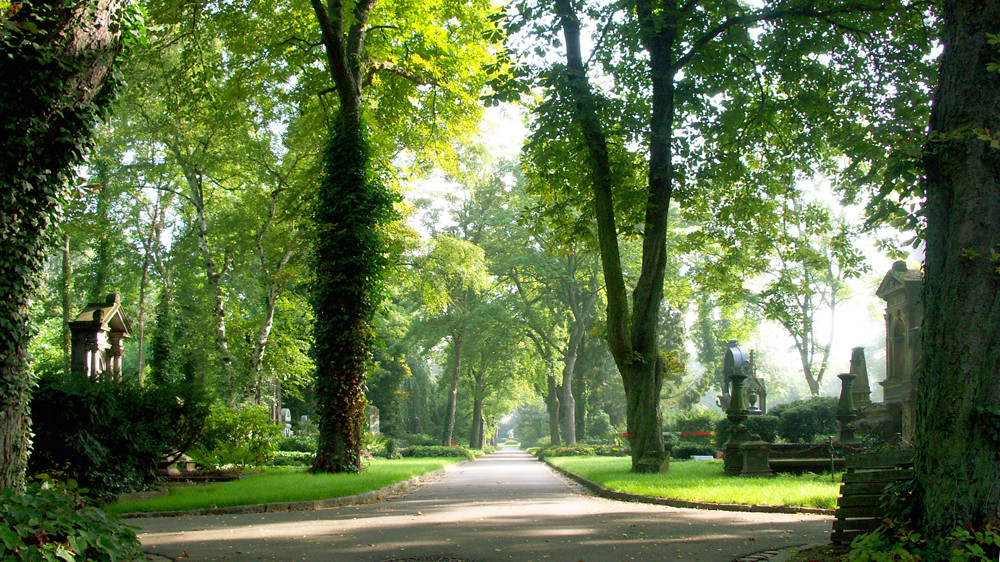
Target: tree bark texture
pixel 958 416
pixel 52 85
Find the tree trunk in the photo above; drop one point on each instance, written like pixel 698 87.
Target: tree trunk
pixel 552 401
pixel 476 433
pixel 580 393
pixel 53 78
pixel 958 416
pixel 632 344
pixel 456 372
pixel 568 404
pixel 66 287
pixel 102 255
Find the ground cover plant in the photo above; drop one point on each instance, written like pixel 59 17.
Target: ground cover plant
pixel 53 521
pixel 704 481
pixel 283 484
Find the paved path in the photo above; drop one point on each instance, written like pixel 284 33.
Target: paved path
pixel 504 506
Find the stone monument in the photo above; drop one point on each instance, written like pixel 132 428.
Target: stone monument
pixel 98 336
pixel 904 315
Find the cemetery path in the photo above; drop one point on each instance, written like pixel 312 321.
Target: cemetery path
pixel 504 506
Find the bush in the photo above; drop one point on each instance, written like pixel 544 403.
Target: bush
pixel 803 421
pixel 51 522
pixel 241 436
pixel 580 450
pixel 292 458
pixel 391 449
pixel 111 437
pixel 698 419
pixel 298 443
pixel 410 439
pixel 766 426
pixel 683 450
pixel 437 451
pixel 599 425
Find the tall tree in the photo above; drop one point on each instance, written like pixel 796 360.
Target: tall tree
pixel 688 65
pixel 958 417
pixel 56 74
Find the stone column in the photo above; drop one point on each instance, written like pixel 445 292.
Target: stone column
pixel 737 414
pixel 846 414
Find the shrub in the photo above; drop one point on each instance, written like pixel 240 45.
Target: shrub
pixel 803 421
pixel 437 451
pixel 111 437
pixel 409 439
pixel 579 450
pixel 298 443
pixel 51 522
pixel 391 449
pixel 698 419
pixel 292 458
pixel 373 443
pixel 766 426
pixel 241 436
pixel 686 449
pixel 899 541
pixel 599 425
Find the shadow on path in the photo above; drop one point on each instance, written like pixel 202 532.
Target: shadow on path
pixel 505 506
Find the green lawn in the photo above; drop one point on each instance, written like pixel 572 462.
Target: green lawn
pixel 285 484
pixel 704 481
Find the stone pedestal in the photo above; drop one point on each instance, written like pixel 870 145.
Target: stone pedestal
pixel 846 414
pixel 755 452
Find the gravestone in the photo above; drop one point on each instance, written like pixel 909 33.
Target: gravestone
pixel 98 336
pixel 904 314
pixel 373 424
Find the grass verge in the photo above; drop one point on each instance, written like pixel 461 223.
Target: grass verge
pixel 704 481
pixel 285 484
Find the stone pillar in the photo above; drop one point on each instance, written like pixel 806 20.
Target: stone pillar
pixel 846 414
pixel 862 387
pixel 737 414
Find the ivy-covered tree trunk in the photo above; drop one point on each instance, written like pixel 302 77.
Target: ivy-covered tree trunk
pixel 958 420
pixel 350 264
pixel 350 254
pixel 54 84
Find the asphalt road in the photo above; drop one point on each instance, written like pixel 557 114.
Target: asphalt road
pixel 504 506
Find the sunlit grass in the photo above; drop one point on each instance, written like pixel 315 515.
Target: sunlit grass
pixel 704 481
pixel 285 484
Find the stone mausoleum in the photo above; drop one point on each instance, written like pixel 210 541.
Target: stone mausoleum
pixel 98 336
pixel 904 316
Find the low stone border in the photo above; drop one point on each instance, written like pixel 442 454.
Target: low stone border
pixel 603 492
pixel 366 497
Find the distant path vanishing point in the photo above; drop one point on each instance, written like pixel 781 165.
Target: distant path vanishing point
pixel 504 506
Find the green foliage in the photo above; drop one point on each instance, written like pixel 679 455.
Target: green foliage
pixel 240 436
pixel 580 450
pixel 895 541
pixel 298 443
pixel 292 458
pixel 373 443
pixel 765 425
pixel 431 451
pixel 599 425
pixel 48 128
pixel 682 450
pixel 410 439
pixel 111 437
pixel 803 421
pixel 698 419
pixel 54 522
pixel 351 261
